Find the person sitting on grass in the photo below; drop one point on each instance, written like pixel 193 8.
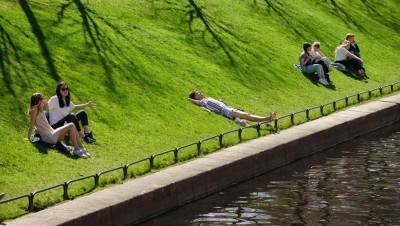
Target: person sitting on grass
pixel 212 105
pixel 348 59
pixel 354 49
pixel 308 67
pixel 47 133
pixel 320 58
pixel 60 108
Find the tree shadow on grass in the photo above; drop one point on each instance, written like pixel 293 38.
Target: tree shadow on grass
pixel 210 26
pixel 302 29
pixel 280 11
pixel 221 34
pixel 11 64
pixel 37 31
pixel 346 17
pixel 96 29
pixel 388 20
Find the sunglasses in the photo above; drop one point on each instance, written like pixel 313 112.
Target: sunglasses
pixel 64 89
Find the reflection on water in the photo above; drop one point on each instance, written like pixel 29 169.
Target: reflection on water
pixel 353 184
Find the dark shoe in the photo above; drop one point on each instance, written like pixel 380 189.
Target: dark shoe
pixel 2 195
pixel 88 138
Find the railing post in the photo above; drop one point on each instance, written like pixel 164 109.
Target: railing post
pixel 30 201
pixel 308 114
pixel 125 169
pixel 176 154
pixel 96 179
pixel 276 125
pixel 151 161
pixel 65 189
pixel 198 147
pixel 347 101
pixel 358 97
pixel 321 108
pixel 258 127
pixel 391 88
pixel 380 91
pixel 369 94
pixel 240 134
pixel 221 140
pixel 292 118
pixel 334 105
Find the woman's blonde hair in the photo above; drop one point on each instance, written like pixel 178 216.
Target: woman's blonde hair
pixel 345 43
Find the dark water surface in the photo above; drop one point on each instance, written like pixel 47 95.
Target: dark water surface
pixel 357 183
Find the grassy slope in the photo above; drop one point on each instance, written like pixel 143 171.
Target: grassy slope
pixel 138 61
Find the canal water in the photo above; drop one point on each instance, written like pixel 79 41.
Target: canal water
pixel 357 183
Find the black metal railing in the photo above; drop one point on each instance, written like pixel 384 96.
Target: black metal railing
pixel 305 114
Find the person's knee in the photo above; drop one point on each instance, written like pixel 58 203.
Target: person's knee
pixel 71 118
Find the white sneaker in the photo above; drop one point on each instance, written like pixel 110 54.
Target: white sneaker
pixel 87 153
pixel 323 81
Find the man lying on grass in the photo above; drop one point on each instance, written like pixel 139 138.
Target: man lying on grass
pixel 212 105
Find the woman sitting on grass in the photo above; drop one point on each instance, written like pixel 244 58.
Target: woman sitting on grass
pixel 60 111
pixel 221 108
pixel 47 133
pixel 320 58
pixel 349 60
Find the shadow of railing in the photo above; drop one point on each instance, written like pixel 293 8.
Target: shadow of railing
pixel 37 31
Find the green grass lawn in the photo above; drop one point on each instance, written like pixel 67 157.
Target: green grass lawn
pixel 139 59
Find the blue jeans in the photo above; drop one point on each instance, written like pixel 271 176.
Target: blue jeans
pixel 314 68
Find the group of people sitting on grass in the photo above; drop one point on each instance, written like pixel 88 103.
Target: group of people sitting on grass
pixel 60 122
pixel 347 58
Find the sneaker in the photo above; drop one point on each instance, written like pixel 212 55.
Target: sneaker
pixel 80 153
pixel 323 81
pixel 87 153
pixel 241 122
pixel 88 138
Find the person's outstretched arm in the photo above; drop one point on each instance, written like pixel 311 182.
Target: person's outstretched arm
pixel 89 104
pixel 351 55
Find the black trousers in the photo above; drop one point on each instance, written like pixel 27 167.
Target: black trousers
pixel 352 63
pixel 80 116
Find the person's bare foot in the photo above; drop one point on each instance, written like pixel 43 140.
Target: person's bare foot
pixel 271 116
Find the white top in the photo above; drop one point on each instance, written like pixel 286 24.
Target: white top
pixel 57 113
pixel 341 54
pixel 315 54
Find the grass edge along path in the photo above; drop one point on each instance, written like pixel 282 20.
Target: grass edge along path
pixel 171 157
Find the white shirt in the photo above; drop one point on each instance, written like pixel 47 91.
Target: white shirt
pixel 57 113
pixel 341 54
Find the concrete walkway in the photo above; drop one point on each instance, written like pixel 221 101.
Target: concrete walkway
pixel 142 198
